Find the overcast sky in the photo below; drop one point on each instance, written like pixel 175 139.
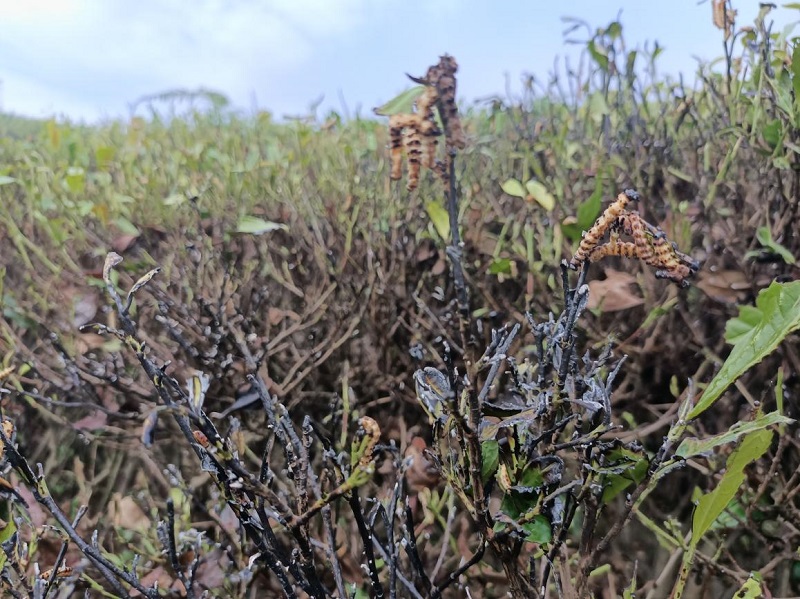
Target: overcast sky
pixel 89 59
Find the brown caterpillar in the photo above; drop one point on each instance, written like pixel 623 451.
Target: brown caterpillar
pixel 650 243
pixel 595 234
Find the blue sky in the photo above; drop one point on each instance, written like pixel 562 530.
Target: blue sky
pixel 89 59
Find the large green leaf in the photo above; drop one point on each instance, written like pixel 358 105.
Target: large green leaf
pixel 779 305
pixel 712 504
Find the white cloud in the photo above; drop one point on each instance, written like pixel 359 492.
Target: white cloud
pixel 123 50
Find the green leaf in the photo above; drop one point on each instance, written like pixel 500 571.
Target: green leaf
pixel 501 266
pixel 764 236
pixel 629 592
pixel 749 317
pixel 540 194
pixel 490 450
pixel 588 212
pixel 402 104
pixel 632 474
pixel 598 54
pixel 614 30
pixel 515 505
pixel 630 66
pixel 538 530
pixel 439 218
pixel 691 446
pixel 772 133
pixel 104 155
pixel 5 180
pixel 796 76
pixel 751 589
pixel 8 529
pixel 76 179
pixel 175 199
pixel 780 308
pixel 126 226
pixel 514 188
pixel 679 174
pixel 712 504
pixel 531 478
pixel 258 226
pixel 598 107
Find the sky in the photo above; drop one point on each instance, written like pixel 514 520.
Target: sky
pixel 89 60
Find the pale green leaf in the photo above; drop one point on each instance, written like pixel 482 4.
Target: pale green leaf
pixel 514 188
pixel 126 226
pixel 76 179
pixel 629 592
pixel 258 226
pixel 439 218
pixel 540 194
pixel 175 199
pixel 5 180
pixel 691 446
pixel 401 104
pixel 751 589
pixel 780 307
pixel 680 174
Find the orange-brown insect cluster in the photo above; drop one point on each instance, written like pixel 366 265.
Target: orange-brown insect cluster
pixel 416 133
pixel 650 244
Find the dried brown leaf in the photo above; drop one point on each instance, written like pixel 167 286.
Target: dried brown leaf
pixel 124 512
pixel 725 286
pixel 123 242
pixel 614 292
pixel 92 422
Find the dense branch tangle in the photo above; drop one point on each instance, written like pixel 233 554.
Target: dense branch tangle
pixel 650 243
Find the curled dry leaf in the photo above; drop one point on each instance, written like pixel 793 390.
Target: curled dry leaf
pixel 725 286
pixel 614 292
